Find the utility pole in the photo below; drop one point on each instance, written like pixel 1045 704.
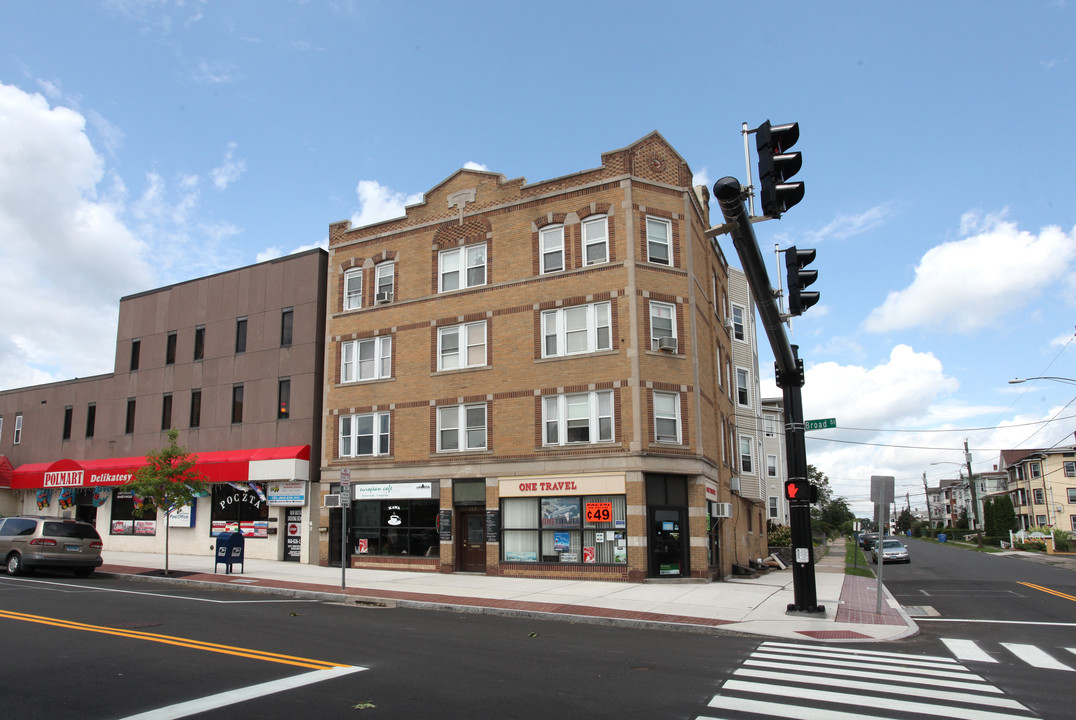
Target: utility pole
pixel 930 516
pixel 974 495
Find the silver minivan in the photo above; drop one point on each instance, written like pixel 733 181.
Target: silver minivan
pixel 28 543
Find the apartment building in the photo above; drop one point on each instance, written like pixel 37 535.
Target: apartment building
pixel 1042 485
pixel 234 362
pixel 535 379
pixel 776 463
pixel 750 480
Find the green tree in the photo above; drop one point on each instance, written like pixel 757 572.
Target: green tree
pixel 905 521
pixel 168 479
pixel 1004 515
pixel 989 521
pixel 830 514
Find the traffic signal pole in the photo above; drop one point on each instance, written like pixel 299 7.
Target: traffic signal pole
pixel 789 368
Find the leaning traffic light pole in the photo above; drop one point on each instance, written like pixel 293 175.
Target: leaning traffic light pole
pixel 730 195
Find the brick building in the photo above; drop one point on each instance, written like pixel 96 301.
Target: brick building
pixel 233 361
pixel 530 379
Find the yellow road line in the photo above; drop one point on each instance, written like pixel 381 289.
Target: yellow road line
pixel 1048 590
pixel 177 641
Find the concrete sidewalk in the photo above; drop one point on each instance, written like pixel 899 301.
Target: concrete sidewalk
pixel 753 606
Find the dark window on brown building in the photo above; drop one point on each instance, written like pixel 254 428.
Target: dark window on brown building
pixel 170 352
pixel 128 425
pixel 166 412
pixel 136 350
pixel 284 399
pixel 199 342
pixel 286 319
pixel 196 408
pixel 237 403
pixel 91 419
pixel 241 335
pixel 68 414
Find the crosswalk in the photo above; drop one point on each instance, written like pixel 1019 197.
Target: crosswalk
pixel 970 651
pixel 811 682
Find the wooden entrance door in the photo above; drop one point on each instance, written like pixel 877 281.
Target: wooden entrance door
pixel 471 535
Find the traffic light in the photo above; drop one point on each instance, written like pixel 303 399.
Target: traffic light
pixel 801 490
pixel 798 278
pixel 776 165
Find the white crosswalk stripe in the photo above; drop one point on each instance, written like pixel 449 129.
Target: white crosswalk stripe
pixel 970 651
pixel 814 682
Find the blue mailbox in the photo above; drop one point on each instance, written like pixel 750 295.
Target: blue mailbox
pixel 230 549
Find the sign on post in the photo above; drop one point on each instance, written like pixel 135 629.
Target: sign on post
pixel 820 424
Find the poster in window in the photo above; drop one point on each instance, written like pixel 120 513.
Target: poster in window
pixel 561 541
pixel 561 512
pixel 589 555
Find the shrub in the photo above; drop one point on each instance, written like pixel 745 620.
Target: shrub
pixel 780 536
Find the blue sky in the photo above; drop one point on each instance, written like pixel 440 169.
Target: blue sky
pixel 148 142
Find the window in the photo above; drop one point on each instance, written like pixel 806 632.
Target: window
pixel 551 247
pixel 578 418
pixel 667 417
pixel 576 330
pixel 1040 520
pixel 658 233
pixel 771 466
pixel 366 359
pixel 743 392
pixel 353 289
pixel 1 427
pixel 286 320
pixel 239 508
pixel 1071 495
pixel 68 415
pixel 166 412
pixel 199 342
pixel 385 280
pixel 461 427
pixel 662 322
pixel 240 335
pixel 747 458
pixel 283 405
pixel 170 350
pixel 769 425
pixel 1038 496
pixel 462 268
pixel 128 424
pixel 595 240
pixel 366 435
pixel 91 419
pixel 773 507
pixel 132 515
pixel 196 408
pixel 461 346
pixel 1036 470
pixel 738 331
pixel 1072 522
pixel 136 351
pixel 395 527
pixel 237 403
pixel 556 529
pixel 1070 468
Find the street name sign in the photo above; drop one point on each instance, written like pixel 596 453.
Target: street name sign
pixel 820 424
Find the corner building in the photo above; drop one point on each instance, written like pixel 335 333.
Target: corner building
pixel 526 379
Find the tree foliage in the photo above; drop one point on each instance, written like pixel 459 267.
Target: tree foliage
pixel 830 514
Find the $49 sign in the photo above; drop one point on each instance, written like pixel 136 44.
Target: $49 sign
pixel 599 512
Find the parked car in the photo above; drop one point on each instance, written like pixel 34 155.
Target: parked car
pixel 893 550
pixel 866 540
pixel 28 543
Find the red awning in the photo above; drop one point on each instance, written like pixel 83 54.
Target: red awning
pixel 5 472
pixel 216 466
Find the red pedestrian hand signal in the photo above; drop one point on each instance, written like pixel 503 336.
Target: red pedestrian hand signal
pixel 798 490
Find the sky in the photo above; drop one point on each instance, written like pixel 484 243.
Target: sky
pixel 147 142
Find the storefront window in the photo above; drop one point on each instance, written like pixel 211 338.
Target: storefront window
pixel 395 527
pixel 582 529
pixel 125 521
pixel 240 507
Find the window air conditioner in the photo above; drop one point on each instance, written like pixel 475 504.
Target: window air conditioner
pixel 332 501
pixel 728 323
pixel 722 510
pixel 383 297
pixel 734 484
pixel 668 344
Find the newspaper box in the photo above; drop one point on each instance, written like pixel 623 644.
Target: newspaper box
pixel 230 548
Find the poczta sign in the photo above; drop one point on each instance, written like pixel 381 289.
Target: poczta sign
pixel 248 498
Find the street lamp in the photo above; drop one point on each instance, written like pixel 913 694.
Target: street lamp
pixel 1069 381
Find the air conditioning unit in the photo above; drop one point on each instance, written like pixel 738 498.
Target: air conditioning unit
pixel 333 501
pixel 734 484
pixel 383 297
pixel 667 344
pixel 722 510
pixel 728 324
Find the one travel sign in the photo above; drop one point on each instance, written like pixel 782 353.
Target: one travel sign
pixel 820 424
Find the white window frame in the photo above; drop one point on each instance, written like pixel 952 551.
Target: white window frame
pixel 663 416
pixel 469 342
pixel 1038 495
pixel 594 322
pixel 769 425
pixel 773 507
pixel 747 459
pixel 654 241
pixel 378 365
pixel 462 427
pixel 744 388
pixel 658 310
pixel 353 295
pixel 379 434
pixel 594 408
pixel 385 278
pixel 462 264
pixel 771 466
pixel 1069 465
pixel 1035 470
pixel 739 324
pixel 599 224
pixel 17 437
pixel 550 246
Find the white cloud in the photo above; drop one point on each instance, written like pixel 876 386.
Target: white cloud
pixel 845 226
pixel 968 284
pixel 67 255
pixel 229 170
pixel 213 73
pixel 378 203
pixel 472 165
pixel 271 253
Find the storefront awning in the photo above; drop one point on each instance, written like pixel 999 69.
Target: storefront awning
pixel 5 472
pixel 278 463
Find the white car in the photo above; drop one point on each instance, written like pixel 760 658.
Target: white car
pixel 892 551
